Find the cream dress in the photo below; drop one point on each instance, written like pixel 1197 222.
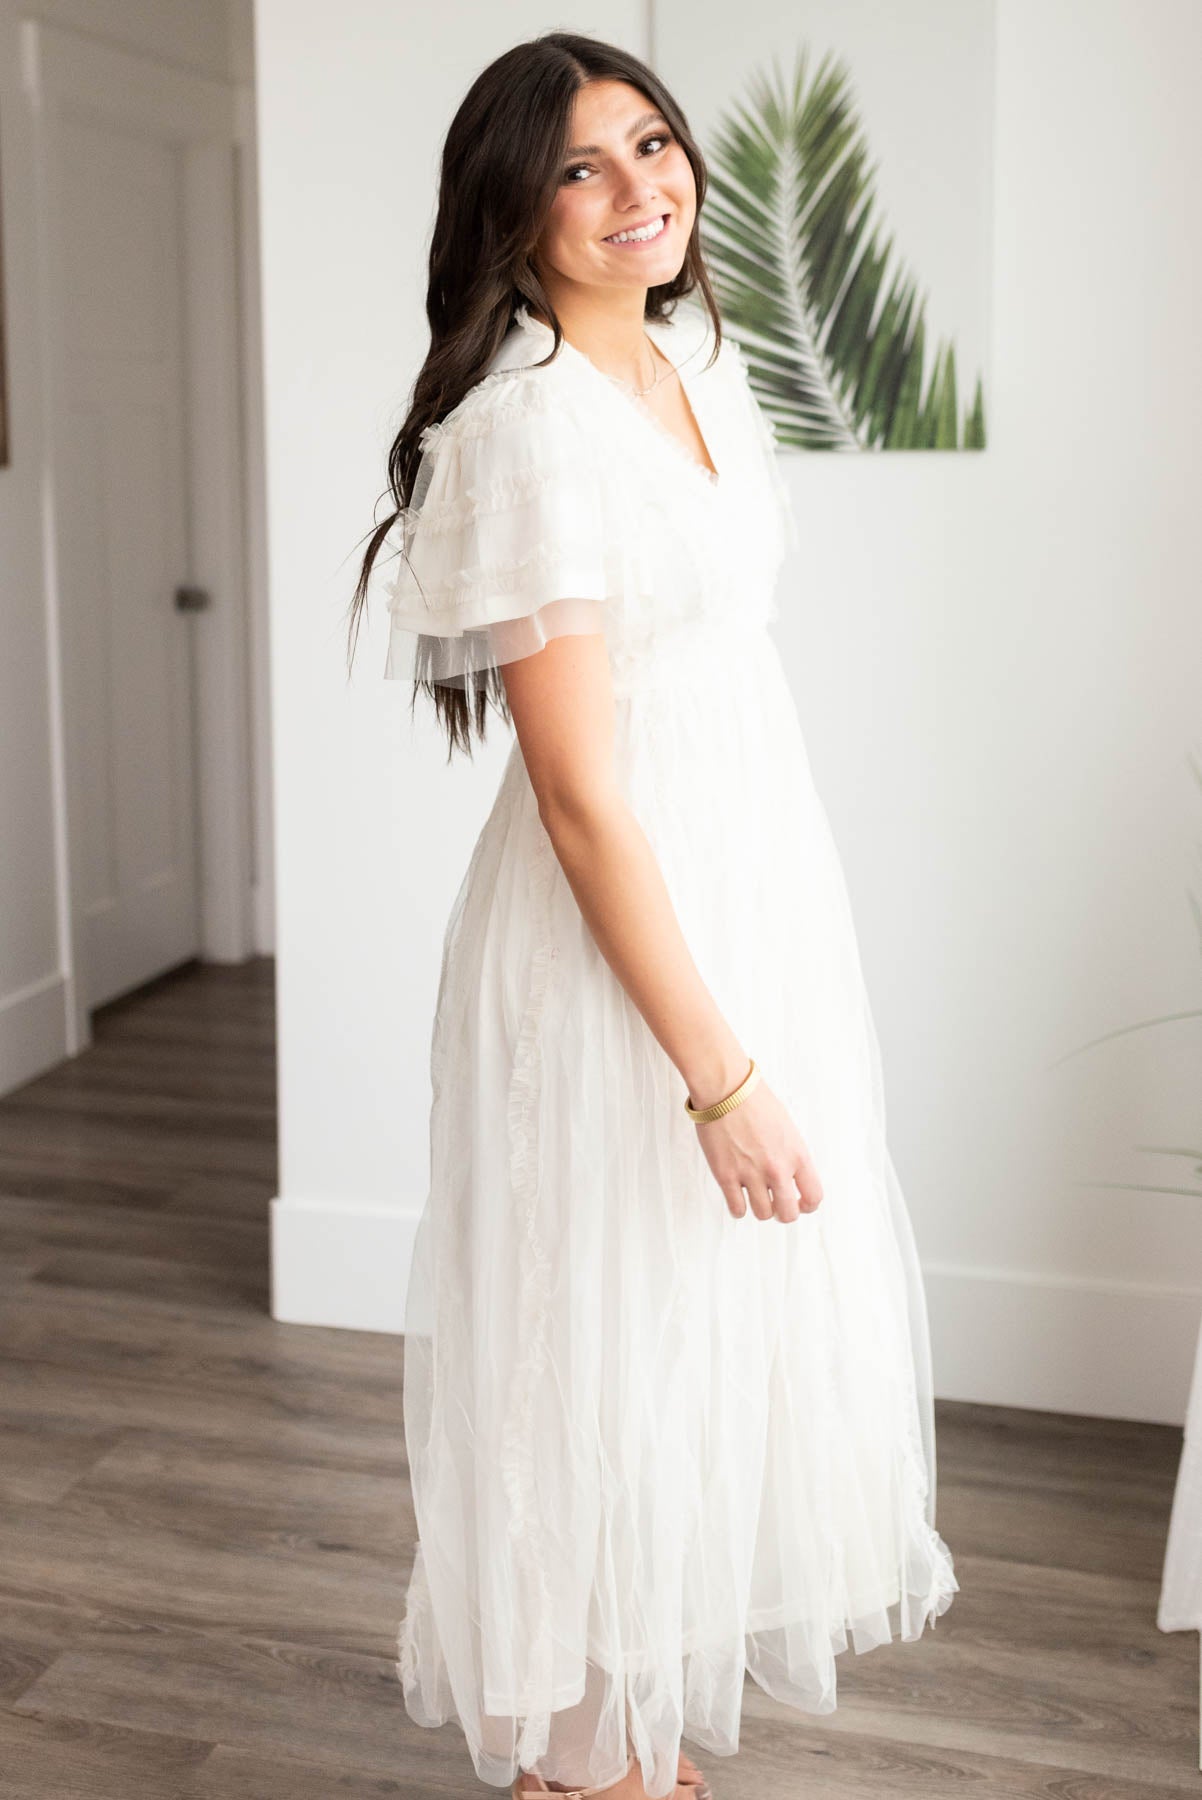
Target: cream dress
pixel 652 1446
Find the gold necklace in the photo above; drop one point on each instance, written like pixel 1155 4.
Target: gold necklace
pixel 639 392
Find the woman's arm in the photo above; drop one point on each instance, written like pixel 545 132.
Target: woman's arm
pixel 561 702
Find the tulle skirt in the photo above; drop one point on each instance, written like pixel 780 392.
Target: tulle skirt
pixel 653 1446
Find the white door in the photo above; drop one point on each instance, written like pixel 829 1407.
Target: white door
pixel 128 690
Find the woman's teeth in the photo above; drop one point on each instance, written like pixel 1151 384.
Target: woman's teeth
pixel 642 236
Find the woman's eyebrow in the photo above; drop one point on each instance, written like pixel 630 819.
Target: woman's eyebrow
pixel 648 118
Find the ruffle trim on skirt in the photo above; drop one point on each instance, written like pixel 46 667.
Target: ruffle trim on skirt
pixel 700 1698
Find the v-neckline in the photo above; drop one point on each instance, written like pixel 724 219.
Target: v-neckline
pixel 711 477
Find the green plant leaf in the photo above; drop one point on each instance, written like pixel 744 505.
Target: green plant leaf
pixel 834 342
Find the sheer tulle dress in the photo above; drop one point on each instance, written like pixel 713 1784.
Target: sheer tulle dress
pixel 651 1446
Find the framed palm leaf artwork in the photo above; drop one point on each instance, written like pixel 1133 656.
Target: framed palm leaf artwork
pixel 847 224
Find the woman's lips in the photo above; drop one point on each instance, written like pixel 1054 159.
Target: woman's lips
pixel 642 243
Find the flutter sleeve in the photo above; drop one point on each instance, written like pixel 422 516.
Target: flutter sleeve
pixel 505 543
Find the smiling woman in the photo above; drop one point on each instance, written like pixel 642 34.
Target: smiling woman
pixel 642 175
pixel 667 1383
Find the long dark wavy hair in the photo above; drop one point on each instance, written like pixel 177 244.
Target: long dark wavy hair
pixel 502 164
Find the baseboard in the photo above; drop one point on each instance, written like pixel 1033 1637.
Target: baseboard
pixel 340 1265
pixel 1056 1343
pixel 1063 1343
pixel 33 1031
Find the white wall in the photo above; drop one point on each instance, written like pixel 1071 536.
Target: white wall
pixel 211 37
pixel 998 661
pixel 995 659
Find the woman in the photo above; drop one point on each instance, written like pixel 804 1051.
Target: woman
pixel 652 1445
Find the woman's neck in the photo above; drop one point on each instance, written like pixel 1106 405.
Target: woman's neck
pixel 610 329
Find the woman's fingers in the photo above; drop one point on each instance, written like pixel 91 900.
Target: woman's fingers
pixel 807 1180
pixel 736 1200
pixel 785 1198
pixel 758 1197
pixel 784 1195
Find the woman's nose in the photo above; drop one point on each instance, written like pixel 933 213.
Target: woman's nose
pixel 636 190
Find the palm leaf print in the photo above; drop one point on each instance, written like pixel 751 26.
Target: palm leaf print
pixel 834 338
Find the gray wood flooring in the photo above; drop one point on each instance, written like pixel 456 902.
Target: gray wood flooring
pixel 205 1524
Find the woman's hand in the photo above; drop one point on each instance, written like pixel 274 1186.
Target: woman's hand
pixel 758 1147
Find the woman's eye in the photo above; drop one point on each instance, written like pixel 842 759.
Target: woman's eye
pixel 655 137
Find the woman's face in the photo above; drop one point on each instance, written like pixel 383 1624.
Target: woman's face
pixel 624 169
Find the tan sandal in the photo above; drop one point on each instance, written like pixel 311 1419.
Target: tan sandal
pixel 697 1790
pixel 536 1793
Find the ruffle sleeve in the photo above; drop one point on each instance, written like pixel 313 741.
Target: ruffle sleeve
pixel 504 544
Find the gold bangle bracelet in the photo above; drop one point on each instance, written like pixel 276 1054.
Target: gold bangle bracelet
pixel 702 1115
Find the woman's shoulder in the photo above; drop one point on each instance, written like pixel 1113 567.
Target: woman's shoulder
pixel 513 391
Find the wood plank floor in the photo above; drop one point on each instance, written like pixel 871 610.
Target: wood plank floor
pixel 205 1522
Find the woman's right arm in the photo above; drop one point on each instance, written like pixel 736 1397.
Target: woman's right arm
pixel 561 703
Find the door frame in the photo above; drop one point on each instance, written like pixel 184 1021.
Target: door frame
pixel 66 74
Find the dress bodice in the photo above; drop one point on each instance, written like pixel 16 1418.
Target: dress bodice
pixel 550 498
